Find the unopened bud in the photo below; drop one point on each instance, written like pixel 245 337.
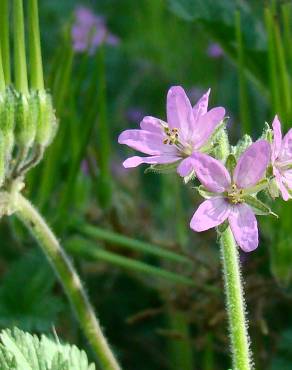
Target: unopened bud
pixel 47 122
pixel 25 120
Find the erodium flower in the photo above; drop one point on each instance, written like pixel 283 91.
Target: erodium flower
pixel 228 193
pixel 186 131
pixel 282 159
pixel 90 31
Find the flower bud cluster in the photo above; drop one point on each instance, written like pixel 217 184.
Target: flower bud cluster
pixel 27 126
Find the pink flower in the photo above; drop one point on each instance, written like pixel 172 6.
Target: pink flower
pixel 282 159
pixel 187 129
pixel 215 51
pixel 89 31
pixel 227 193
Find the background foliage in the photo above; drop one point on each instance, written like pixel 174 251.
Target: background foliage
pixel 155 284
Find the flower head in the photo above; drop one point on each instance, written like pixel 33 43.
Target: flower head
pixel 89 31
pixel 282 159
pixel 215 51
pixel 186 131
pixel 228 193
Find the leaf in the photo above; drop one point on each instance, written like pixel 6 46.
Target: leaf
pixel 34 307
pixel 258 207
pixel 22 351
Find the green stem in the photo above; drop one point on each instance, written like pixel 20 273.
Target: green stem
pixel 20 68
pixel 4 39
pixel 235 302
pixel 36 65
pixel 70 281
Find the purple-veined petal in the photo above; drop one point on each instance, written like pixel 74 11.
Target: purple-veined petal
pixel 179 111
pixel 244 227
pixel 211 213
pixel 206 125
pixel 277 142
pixel 211 173
pixel 201 106
pixel 152 124
pixel 185 167
pixel 158 159
pixel 286 149
pixel 252 164
pixel 281 185
pixel 146 142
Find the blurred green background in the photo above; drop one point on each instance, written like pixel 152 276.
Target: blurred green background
pixel 156 285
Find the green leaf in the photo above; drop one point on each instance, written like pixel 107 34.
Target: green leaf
pixel 22 351
pixel 258 207
pixel 34 307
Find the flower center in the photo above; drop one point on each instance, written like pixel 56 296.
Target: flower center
pixel 172 138
pixel 234 195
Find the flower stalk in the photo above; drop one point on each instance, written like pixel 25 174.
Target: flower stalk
pixel 69 279
pixel 235 304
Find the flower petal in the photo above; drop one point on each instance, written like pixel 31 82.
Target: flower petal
pixel 277 142
pixel 201 106
pixel 152 124
pixel 280 180
pixel 206 125
pixel 179 111
pixel 211 173
pixel 286 149
pixel 185 167
pixel 146 142
pixel 252 164
pixel 244 227
pixel 211 213
pixel 136 161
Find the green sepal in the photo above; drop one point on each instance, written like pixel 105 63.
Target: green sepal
pixel 241 146
pixel 222 149
pixel 221 228
pixel 230 163
pixel 162 168
pixel 261 185
pixel 258 207
pixel 7 124
pixel 47 121
pixel 190 177
pixel 25 123
pixel 204 192
pixel 267 133
pixel 273 189
pixel 213 140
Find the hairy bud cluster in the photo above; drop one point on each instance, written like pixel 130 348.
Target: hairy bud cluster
pixel 27 126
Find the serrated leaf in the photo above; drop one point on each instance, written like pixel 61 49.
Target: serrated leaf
pixel 22 351
pixel 34 307
pixel 258 207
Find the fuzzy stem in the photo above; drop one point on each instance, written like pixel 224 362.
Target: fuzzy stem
pixel 69 279
pixel 235 302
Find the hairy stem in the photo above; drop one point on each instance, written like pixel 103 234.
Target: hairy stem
pixel 69 279
pixel 235 302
